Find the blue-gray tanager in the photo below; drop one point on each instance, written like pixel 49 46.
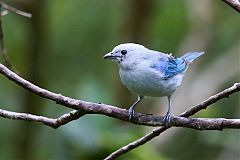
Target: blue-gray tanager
pixel 150 73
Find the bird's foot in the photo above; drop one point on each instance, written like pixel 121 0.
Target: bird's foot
pixel 167 119
pixel 131 113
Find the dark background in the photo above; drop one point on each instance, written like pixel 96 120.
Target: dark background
pixel 61 47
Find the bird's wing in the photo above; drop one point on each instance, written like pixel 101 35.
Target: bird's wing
pixel 170 66
pixel 191 56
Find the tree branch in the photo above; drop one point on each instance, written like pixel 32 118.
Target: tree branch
pixel 52 122
pixel 2 47
pixel 15 10
pixel 143 119
pixel 206 123
pixel 194 123
pixel 156 132
pixel 83 107
pixel 235 4
pixel 3 13
pixel 99 108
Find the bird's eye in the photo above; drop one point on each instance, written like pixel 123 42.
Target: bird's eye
pixel 123 52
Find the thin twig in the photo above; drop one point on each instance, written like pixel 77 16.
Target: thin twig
pixel 156 132
pixel 4 13
pixel 2 47
pixel 235 4
pixel 15 10
pixel 52 122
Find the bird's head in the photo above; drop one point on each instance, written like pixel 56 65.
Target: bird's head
pixel 125 52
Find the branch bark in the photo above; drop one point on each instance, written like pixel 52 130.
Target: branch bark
pixel 52 122
pixel 84 107
pixel 3 13
pixel 194 123
pixel 3 49
pixel 156 132
pixel 15 10
pixel 99 108
pixel 235 4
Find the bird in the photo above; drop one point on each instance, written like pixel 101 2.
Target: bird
pixel 150 73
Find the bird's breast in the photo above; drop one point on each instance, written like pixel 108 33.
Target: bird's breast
pixel 148 82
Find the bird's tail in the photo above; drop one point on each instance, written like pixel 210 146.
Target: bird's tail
pixel 191 56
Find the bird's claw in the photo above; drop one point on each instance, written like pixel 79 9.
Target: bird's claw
pixel 131 113
pixel 167 119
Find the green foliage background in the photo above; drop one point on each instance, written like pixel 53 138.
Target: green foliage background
pixel 61 47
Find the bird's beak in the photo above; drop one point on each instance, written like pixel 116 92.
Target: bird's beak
pixel 109 56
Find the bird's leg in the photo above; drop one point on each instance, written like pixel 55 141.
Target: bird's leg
pixel 167 116
pixel 131 109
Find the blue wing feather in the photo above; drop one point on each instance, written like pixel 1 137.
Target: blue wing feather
pixel 191 56
pixel 171 67
pixel 174 66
